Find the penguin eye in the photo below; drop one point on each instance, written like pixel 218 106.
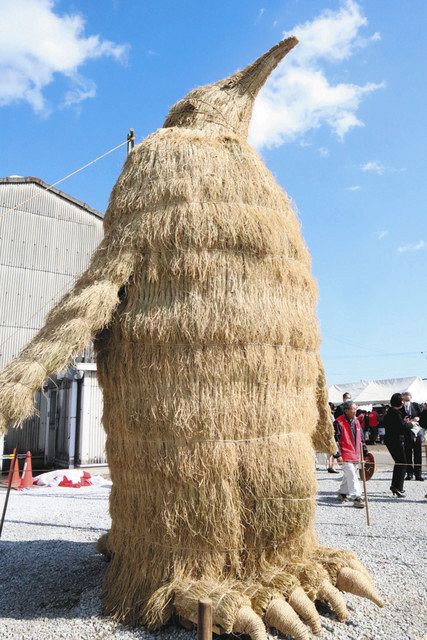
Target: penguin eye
pixel 187 106
pixel 229 84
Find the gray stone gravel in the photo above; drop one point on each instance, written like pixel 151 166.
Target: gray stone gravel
pixel 51 573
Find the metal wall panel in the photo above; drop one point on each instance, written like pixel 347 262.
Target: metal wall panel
pixel 27 296
pixel 29 196
pixel 46 241
pixel 29 437
pixel 12 341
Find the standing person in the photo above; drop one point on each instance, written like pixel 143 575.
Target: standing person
pixel 360 415
pixel 381 430
pixel 349 436
pixel 423 417
pixel 332 460
pixel 339 410
pixel 373 426
pixel 394 439
pixel 413 440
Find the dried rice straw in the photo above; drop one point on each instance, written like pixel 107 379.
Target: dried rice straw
pixel 203 309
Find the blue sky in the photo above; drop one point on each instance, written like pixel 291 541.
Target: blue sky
pixel 342 125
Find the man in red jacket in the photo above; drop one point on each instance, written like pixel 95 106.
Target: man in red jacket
pixel 349 436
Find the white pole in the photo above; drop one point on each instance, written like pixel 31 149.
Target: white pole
pixel 72 422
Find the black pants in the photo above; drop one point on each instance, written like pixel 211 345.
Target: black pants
pixel 413 455
pixel 397 452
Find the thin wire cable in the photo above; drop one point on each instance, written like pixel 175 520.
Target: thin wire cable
pixel 182 442
pixel 69 175
pixel 74 279
pixel 353 344
pixel 408 354
pixel 49 302
pixel 213 546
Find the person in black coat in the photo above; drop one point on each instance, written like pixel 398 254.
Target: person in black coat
pixel 394 425
pixel 413 449
pixel 423 417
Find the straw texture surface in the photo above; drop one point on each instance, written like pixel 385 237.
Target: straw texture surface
pixel 203 308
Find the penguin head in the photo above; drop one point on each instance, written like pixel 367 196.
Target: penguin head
pixel 225 107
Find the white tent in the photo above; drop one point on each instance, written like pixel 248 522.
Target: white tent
pixel 336 391
pixel 371 392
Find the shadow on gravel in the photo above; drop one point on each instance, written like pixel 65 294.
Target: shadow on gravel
pixel 328 498
pixel 32 492
pixel 60 525
pixel 331 499
pixel 392 499
pixel 46 578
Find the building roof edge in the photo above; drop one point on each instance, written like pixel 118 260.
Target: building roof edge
pixel 41 183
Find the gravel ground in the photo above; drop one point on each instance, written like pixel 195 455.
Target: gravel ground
pixel 51 574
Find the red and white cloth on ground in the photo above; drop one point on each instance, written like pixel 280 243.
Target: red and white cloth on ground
pixel 73 478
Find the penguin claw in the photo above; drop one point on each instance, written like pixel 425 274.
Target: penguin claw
pixel 328 593
pixel 249 623
pixel 355 582
pixel 281 616
pixel 306 609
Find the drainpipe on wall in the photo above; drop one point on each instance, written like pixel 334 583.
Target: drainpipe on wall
pixel 72 412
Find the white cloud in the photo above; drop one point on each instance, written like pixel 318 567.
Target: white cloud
pixel 323 151
pixel 373 166
pixel 412 247
pixel 381 234
pixel 355 187
pixel 81 89
pixel 298 96
pixel 36 44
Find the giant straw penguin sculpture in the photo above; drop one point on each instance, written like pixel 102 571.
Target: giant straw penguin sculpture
pixel 202 307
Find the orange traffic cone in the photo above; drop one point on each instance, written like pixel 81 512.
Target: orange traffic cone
pixel 27 473
pixel 16 481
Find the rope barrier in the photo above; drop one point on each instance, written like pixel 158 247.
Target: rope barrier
pixel 387 467
pixel 10 456
pixel 395 464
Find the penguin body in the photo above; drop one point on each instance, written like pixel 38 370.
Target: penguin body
pixel 202 306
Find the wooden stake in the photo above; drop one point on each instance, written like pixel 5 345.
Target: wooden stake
pixel 364 485
pixel 204 620
pixel 11 470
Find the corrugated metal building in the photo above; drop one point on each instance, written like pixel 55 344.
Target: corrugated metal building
pixel 46 240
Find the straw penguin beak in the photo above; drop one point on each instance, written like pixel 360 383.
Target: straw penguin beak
pixel 251 78
pixel 226 106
